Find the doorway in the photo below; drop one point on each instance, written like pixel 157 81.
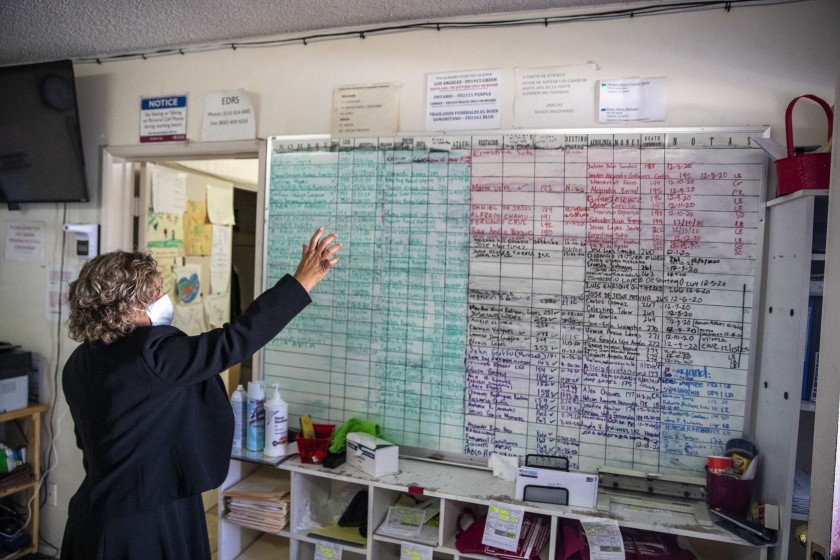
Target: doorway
pixel 125 183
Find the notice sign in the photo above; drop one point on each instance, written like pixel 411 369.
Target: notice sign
pixel 25 240
pixel 463 100
pixel 228 115
pixel 558 96
pixel 633 100
pixel 366 110
pixel 163 119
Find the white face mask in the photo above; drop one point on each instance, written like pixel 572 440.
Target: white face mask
pixel 161 311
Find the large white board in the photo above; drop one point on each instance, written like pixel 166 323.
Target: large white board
pixel 587 293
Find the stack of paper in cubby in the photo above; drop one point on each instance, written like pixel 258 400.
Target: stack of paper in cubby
pixel 260 501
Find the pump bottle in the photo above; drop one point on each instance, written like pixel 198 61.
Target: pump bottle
pixel 237 403
pixel 276 425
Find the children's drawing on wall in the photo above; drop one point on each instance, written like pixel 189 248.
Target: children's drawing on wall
pixel 220 205
pixel 217 309
pixel 166 259
pixel 197 232
pixel 220 259
pixel 189 283
pixel 190 319
pixel 169 190
pixel 165 230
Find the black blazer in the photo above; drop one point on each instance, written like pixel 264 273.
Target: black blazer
pixel 152 416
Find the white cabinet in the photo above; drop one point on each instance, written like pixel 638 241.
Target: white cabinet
pixel 783 422
pixel 456 487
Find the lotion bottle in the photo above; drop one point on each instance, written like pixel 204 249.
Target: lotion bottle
pixel 255 439
pixel 237 403
pixel 276 425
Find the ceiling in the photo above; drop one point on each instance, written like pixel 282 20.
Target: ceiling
pixel 41 30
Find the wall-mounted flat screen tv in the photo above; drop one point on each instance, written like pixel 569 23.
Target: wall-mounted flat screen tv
pixel 40 142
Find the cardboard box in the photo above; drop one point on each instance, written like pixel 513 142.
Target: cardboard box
pixel 372 455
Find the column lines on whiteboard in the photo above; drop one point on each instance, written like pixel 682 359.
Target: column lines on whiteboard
pixel 532 390
pixel 336 290
pixel 573 461
pixel 660 336
pixel 743 312
pixel 636 430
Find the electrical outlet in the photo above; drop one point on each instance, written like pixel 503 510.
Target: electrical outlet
pixel 52 495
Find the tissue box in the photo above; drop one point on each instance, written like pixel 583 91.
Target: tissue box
pixel 558 487
pixel 372 455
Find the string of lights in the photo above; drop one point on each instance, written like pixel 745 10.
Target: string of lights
pixel 636 11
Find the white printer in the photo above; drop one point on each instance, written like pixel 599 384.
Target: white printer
pixel 15 366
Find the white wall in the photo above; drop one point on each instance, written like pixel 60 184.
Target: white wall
pixel 723 69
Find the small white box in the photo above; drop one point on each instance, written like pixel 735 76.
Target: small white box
pixel 581 488
pixel 372 455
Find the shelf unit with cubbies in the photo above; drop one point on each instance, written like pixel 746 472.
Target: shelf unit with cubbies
pixel 456 487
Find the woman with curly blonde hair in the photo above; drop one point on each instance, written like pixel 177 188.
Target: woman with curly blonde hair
pixel 151 413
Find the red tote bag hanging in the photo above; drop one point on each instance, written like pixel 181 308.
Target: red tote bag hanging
pixel 806 171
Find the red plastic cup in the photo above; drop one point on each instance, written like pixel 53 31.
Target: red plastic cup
pixel 718 464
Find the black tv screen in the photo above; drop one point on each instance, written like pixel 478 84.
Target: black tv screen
pixel 40 142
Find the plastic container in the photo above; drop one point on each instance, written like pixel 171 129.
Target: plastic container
pixel 314 450
pixel 238 404
pixel 276 425
pixel 806 171
pixel 733 495
pixel 255 440
pixel 742 452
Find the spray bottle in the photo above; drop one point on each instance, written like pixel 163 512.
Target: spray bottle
pixel 276 425
pixel 255 440
pixel 237 403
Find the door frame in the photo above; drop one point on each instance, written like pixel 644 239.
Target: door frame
pixel 119 205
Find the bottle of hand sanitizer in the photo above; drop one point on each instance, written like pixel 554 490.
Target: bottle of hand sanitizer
pixel 276 425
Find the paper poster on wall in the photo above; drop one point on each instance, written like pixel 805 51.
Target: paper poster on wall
pixel 169 191
pixel 463 100
pixel 228 115
pixel 165 230
pixel 220 204
pixel 188 283
pixel 25 240
pixel 197 232
pixel 557 96
pixel 163 119
pixel 220 259
pixel 366 110
pixel 632 100
pixel 167 258
pixel 217 309
pixel 190 319
pixel 58 282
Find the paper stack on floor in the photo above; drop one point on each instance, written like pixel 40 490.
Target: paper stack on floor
pixel 260 501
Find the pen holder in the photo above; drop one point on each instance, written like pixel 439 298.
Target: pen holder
pixel 805 171
pixel 732 495
pixel 314 450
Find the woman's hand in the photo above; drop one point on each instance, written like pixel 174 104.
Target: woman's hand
pixel 316 260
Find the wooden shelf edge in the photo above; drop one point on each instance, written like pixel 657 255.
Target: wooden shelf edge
pixel 18 488
pixel 32 409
